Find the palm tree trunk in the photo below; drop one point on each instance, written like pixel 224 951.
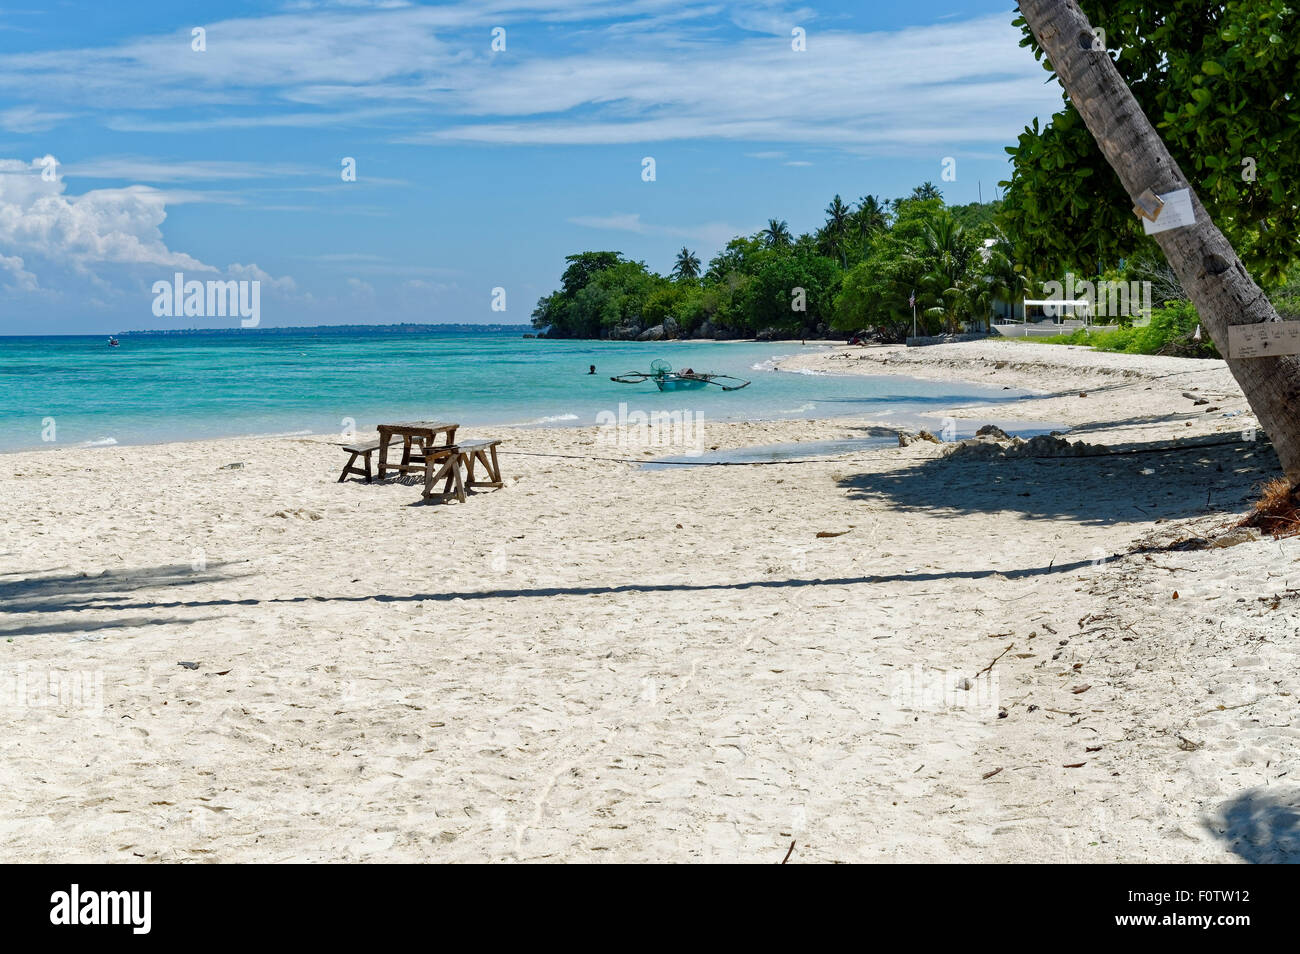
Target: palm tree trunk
pixel 1220 287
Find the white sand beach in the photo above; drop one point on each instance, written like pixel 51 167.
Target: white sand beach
pixel 605 663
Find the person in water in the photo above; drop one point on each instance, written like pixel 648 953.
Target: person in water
pixel 593 370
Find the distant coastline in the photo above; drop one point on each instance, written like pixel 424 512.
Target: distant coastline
pixel 403 328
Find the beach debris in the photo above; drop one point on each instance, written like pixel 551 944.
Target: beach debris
pixel 989 447
pixel 1234 538
pixel 1277 512
pixel 1187 745
pixel 907 440
pixel 990 666
pixel 188 665
pixel 1079 690
pixel 988 775
pixel 832 533
pixel 788 853
pixel 1075 765
pixel 301 512
pixel 235 466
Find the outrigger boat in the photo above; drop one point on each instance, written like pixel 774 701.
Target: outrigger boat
pixel 666 379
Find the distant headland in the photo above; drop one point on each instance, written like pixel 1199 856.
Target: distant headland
pixel 402 329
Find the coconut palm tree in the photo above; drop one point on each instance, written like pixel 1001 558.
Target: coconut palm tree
pixel 870 216
pixel 777 234
pixel 1001 278
pixel 687 267
pixel 835 231
pixel 927 190
pixel 946 254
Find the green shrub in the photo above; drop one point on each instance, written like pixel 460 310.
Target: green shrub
pixel 1171 331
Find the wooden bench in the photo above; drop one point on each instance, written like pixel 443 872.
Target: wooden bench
pixel 446 467
pixel 358 450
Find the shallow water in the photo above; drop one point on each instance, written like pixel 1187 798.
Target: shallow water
pixel 78 391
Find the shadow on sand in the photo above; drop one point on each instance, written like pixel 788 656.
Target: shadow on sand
pixel 1189 479
pixel 75 592
pixel 109 602
pixel 1261 826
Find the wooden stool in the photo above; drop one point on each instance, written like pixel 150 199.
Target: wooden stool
pixel 358 450
pixel 485 453
pixel 444 463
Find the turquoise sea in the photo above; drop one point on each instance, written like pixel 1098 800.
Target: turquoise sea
pixel 185 387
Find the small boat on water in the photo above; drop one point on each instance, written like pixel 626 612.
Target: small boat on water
pixel 114 343
pixel 666 379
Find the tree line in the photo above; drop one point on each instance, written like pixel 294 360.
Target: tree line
pixel 858 272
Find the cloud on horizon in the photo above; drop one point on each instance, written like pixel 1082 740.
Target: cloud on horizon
pixel 50 239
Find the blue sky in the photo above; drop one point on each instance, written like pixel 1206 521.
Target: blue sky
pixel 475 168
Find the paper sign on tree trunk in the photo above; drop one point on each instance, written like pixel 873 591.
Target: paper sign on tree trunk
pixel 1266 339
pixel 1175 213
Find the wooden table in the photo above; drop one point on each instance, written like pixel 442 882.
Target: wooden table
pixel 424 432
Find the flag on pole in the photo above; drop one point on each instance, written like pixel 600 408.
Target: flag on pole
pixel 912 301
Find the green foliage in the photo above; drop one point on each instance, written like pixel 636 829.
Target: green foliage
pixel 1219 81
pixel 854 273
pixel 771 295
pixel 600 291
pixel 1172 331
pixel 978 220
pixel 1286 299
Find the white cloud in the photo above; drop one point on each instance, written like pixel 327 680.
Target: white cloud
pixel 427 288
pixel 720 71
pixel 23 279
pixel 108 239
pixel 900 92
pixel 714 234
pixel 117 226
pixel 144 169
pixel 269 282
pixel 29 119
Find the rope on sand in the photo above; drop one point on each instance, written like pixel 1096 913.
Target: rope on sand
pixel 686 463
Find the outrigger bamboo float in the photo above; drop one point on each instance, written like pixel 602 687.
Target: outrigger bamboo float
pixel 666 379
